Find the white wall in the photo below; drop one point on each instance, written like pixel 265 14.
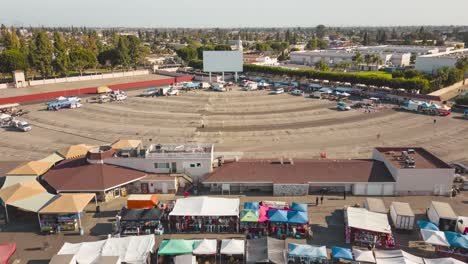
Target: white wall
pixel 432 64
pixel 89 77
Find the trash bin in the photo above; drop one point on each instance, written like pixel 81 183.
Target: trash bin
pixel 81 231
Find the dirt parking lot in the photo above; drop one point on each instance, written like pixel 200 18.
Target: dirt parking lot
pixel 326 221
pixel 254 123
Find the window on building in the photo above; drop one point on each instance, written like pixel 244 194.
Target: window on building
pixel 192 165
pixel 161 165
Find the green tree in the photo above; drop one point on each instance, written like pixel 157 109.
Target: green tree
pixel 222 47
pixel 462 100
pixel 109 57
pixel 262 47
pixel 135 52
pixel 12 60
pixel 41 52
pixel 312 44
pixel 320 31
pixel 10 39
pixel 365 39
pixel 322 66
pixel 62 60
pixel 344 65
pixel 122 49
pixel 357 58
pixel 187 53
pixel 82 59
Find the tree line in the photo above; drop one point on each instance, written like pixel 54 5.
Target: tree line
pixel 416 83
pixel 47 54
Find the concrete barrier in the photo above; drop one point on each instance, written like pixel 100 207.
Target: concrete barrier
pixel 89 77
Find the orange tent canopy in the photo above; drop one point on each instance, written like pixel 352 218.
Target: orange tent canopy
pixel 142 201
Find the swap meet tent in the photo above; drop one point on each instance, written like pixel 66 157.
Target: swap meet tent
pixel 134 249
pixel 361 218
pixel 436 238
pixel 6 251
pixel 206 206
pixel 232 247
pixel 205 247
pixel 265 250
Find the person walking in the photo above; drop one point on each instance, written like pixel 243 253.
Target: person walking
pixel 316 201
pixel 435 121
pixel 321 199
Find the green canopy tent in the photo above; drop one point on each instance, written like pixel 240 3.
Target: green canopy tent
pixel 176 247
pixel 248 215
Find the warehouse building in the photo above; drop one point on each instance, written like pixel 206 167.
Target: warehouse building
pixel 391 171
pixel 433 62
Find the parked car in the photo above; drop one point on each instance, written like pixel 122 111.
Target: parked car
pixel 218 87
pixel 149 92
pixel 278 91
pixel 296 92
pixel 173 92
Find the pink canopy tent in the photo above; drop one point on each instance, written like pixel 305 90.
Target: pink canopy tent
pixel 6 251
pixel 263 214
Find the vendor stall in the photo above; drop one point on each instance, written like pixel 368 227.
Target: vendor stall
pixel 206 250
pixel 363 256
pixel 278 223
pixel 135 250
pixel 342 253
pixel 304 251
pixel 435 238
pixel 63 259
pixel 64 213
pixel 205 214
pixel 232 250
pixel 367 228
pixel 175 247
pixel 265 250
pixel 139 221
pixel 458 246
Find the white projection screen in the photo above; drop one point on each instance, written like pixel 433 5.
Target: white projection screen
pixel 223 61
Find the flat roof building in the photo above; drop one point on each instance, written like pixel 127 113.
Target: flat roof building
pixel 391 171
pixel 433 62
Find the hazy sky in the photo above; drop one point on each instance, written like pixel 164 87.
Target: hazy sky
pixel 232 13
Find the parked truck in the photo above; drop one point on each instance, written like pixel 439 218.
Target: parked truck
pixel 442 215
pixel 20 125
pixel 402 215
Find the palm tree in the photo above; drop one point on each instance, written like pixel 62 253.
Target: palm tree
pixel 368 59
pixel 377 60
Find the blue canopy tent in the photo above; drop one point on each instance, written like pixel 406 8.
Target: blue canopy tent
pixel 307 251
pixel 427 225
pixel 456 239
pixel 342 253
pixel 297 217
pixel 251 205
pixel 299 207
pixel 278 216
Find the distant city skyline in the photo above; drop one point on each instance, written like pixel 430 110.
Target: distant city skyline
pixel 240 13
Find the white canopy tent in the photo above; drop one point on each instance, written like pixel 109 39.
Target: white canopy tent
pixel 363 256
pixel 232 247
pixel 396 257
pixel 361 218
pixel 34 203
pixel 205 247
pixel 443 261
pixel 206 206
pixel 134 249
pixel 85 253
pixel 11 180
pixel 436 238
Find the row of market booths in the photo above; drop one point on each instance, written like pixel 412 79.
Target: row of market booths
pixel 445 231
pixel 265 218
pixel 271 250
pixel 256 219
pixel 55 213
pixel 446 243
